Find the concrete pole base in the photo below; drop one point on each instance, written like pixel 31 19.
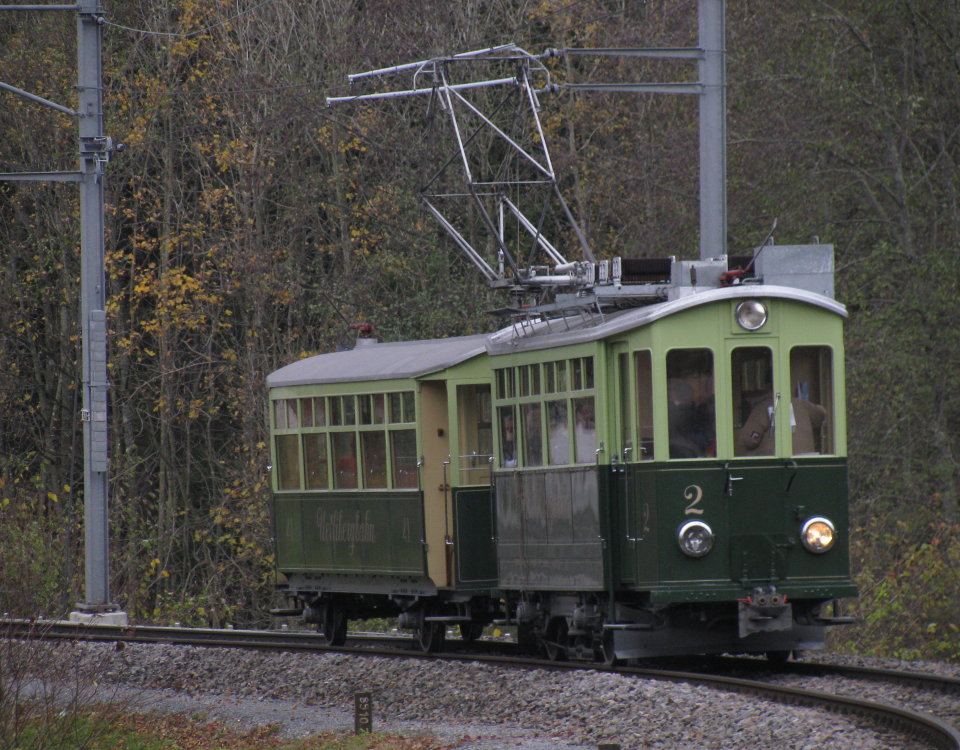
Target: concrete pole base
pixel 100 618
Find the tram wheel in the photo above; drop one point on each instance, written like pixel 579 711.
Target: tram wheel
pixel 470 631
pixel 527 638
pixel 333 624
pixel 555 639
pixel 778 659
pixel 607 652
pixel 430 636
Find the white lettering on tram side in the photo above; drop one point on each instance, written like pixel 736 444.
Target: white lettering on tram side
pixel 338 526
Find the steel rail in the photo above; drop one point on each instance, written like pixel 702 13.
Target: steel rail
pixel 930 729
pixel 921 680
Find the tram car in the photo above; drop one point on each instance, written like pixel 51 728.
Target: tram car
pixel 665 479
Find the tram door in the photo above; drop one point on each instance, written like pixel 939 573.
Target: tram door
pixel 755 492
pixel 474 550
pixel 633 481
pixel 435 481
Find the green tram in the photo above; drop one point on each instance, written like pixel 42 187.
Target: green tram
pixel 664 479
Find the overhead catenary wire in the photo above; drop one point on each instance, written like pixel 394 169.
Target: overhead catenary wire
pixel 189 34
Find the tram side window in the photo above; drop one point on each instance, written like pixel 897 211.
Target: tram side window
pixel 532 435
pixel 476 433
pixel 584 431
pixel 374 446
pixel 315 460
pixel 508 436
pixel 345 460
pixel 403 446
pixel 314 411
pixel 558 426
pixel 812 400
pixel 691 417
pixel 755 410
pixel 644 370
pixel 285 414
pixel 371 409
pixel 288 462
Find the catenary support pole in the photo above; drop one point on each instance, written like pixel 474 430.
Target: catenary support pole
pixel 713 131
pixel 94 153
pixel 95 150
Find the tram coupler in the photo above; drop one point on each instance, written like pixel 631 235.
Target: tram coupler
pixel 765 610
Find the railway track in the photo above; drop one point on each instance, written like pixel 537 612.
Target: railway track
pixel 765 684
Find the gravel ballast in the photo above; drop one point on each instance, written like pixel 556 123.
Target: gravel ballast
pixel 478 706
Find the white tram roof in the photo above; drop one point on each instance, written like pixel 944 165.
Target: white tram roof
pixel 546 334
pixel 412 359
pixel 376 361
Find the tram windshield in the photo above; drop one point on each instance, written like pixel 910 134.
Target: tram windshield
pixel 754 405
pixel 690 408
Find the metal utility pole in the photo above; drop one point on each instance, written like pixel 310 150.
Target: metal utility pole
pixel 711 91
pixel 713 130
pixel 94 153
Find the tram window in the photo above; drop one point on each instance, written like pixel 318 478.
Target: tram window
pixel 285 414
pixel 549 377
pixel 409 408
pixel 811 386
pixel 534 380
pixel 561 381
pixel 314 411
pixel 532 435
pixel 403 446
pixel 336 411
pixel 315 460
pixel 345 460
pixel 691 417
pixel 366 411
pixel 371 408
pixel 755 410
pixel 558 429
pixel 476 433
pixel 374 451
pixel 588 372
pixel 349 410
pixel 644 371
pixel 508 436
pixel 396 413
pixel 576 374
pixel 402 407
pixel 626 419
pixel 506 386
pixel 584 431
pixel 288 462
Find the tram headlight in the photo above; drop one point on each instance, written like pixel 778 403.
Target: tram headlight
pixel 751 314
pixel 818 534
pixel 695 538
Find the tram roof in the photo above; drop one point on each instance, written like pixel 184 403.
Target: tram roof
pixel 380 361
pixel 412 359
pixel 551 333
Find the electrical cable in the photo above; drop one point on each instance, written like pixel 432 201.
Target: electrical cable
pixel 189 34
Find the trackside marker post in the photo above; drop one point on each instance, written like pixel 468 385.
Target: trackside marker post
pixel 362 713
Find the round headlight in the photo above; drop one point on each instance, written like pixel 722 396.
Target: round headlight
pixel 818 534
pixel 751 314
pixel 695 538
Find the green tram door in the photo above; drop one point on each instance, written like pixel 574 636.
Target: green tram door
pixel 474 550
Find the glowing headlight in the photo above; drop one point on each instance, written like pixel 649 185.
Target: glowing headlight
pixel 817 534
pixel 695 539
pixel 751 314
